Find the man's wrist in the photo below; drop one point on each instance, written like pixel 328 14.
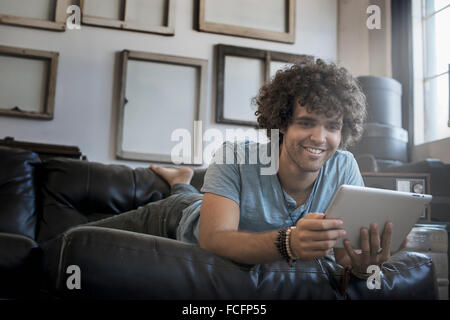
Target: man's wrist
pixel 284 246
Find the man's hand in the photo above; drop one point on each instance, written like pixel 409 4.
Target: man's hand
pixel 314 236
pixel 373 251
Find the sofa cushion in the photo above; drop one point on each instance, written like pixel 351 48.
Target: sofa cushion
pixel 76 192
pixel 117 264
pixel 17 191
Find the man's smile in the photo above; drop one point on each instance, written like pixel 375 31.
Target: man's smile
pixel 314 151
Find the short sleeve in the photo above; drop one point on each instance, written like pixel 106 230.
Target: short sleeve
pixel 223 176
pixel 353 176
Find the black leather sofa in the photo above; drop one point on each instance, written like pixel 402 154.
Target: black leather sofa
pixel 44 204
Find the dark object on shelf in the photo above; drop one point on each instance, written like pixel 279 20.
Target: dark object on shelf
pixel 383 137
pixel 384 100
pixel 384 142
pixel 445 225
pixel 368 163
pixel 440 184
pixel 383 164
pixel 45 151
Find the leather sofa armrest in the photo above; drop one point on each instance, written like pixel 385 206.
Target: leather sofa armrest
pixel 117 264
pixel 405 276
pixel 15 250
pixel 20 266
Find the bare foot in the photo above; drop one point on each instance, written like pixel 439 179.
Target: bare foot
pixel 174 175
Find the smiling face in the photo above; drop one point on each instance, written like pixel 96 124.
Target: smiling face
pixel 311 139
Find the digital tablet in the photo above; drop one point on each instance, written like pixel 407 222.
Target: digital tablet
pixel 360 206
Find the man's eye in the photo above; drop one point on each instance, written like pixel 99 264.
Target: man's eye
pixel 335 127
pixel 305 123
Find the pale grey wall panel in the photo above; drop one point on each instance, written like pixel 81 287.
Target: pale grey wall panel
pixel 161 98
pixel 37 9
pixel 259 14
pixel 243 78
pixel 148 13
pixel 111 9
pixel 22 83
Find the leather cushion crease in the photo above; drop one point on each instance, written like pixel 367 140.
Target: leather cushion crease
pixel 405 276
pixel 17 192
pixel 77 192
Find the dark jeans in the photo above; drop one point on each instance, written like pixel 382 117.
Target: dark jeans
pixel 160 218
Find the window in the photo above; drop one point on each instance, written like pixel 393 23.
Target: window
pixel 435 117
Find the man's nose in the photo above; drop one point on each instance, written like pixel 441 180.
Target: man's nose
pixel 318 135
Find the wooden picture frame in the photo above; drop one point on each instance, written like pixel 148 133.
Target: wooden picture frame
pixel 57 23
pixel 265 56
pixel 171 109
pixel 256 32
pixel 48 78
pixel 124 21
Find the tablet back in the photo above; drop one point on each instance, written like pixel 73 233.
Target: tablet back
pixel 360 206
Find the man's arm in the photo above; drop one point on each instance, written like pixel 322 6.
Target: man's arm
pixel 219 221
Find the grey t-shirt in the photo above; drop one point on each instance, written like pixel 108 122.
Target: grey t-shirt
pixel 264 204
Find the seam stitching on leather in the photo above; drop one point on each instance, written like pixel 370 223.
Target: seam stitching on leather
pixel 60 262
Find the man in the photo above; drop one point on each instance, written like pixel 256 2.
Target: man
pixel 253 218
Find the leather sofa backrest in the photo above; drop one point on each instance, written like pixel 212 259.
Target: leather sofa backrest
pixel 76 192
pixel 18 210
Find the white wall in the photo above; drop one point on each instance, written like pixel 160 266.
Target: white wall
pixel 361 50
pixel 439 149
pixel 84 109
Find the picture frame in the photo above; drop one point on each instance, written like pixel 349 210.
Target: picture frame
pixel 56 14
pixel 237 111
pixel 147 99
pixel 223 19
pixel 42 80
pixel 127 15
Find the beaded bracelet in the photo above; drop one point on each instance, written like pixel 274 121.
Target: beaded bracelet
pixel 288 243
pixel 283 245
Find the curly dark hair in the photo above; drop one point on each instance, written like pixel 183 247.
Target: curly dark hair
pixel 323 88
